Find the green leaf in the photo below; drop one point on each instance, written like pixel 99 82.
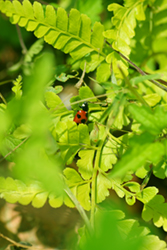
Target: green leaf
pixel 123 25
pixel 22 132
pixel 54 102
pixel 108 156
pixel 50 16
pixel 121 119
pixel 38 11
pixel 63 77
pixel 152 121
pixel 112 110
pixel 103 184
pixel 28 9
pixel 152 242
pixel 94 134
pixel 85 164
pixel 156 209
pixel 142 171
pixel 142 148
pixel 83 196
pixel 124 234
pixel 138 79
pixel 74 22
pixel 152 99
pixel 130 199
pixel 40 199
pixel 72 177
pixel 72 34
pixel 117 62
pixel 62 19
pixel 68 135
pixel 78 186
pixel 71 138
pixel 35 49
pixel 9 145
pixel 97 38
pixel 140 14
pixel 57 89
pixel 160 170
pixel 16 191
pixel 116 186
pixel 84 93
pixel 130 228
pixel 103 72
pixel 55 201
pixel 147 194
pixel 17 87
pixel 85 32
pixel 133 186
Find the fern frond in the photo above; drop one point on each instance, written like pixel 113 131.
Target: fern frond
pixel 13 190
pixel 124 23
pixel 71 34
pixel 16 191
pixel 17 87
pixel 154 208
pixel 149 43
pixel 122 30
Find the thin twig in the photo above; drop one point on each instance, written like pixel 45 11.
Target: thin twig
pixel 77 102
pixel 159 80
pixel 139 97
pixel 81 80
pixel 4 82
pixel 24 49
pixel 142 72
pixel 3 99
pixel 14 243
pixel 14 149
pixel 139 69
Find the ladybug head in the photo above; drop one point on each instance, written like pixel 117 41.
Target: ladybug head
pixel 84 106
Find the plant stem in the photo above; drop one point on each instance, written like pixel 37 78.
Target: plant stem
pixel 4 82
pixel 3 99
pixel 94 188
pixel 139 97
pixel 80 209
pixel 111 137
pixel 147 178
pixel 94 181
pixel 19 145
pixel 24 49
pixel 139 69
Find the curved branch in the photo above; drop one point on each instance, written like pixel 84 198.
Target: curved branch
pixel 140 70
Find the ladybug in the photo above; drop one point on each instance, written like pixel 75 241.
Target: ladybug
pixel 82 115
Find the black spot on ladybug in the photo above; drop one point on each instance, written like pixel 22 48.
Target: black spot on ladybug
pixel 79 116
pixel 83 121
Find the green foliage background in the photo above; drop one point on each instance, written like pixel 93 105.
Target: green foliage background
pixel 114 52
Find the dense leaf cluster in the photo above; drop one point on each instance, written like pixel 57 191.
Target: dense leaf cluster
pixel 124 142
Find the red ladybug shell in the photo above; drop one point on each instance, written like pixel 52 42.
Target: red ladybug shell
pixel 81 117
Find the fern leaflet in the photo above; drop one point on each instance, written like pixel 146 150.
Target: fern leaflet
pixel 123 24
pixel 70 34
